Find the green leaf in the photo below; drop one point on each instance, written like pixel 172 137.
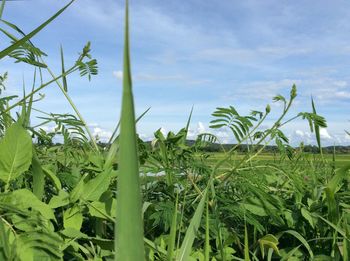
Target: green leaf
pixel 73 218
pixel 52 176
pixel 192 229
pixel 256 210
pixel 14 46
pixel 173 229
pixel 62 199
pixel 25 199
pixel 32 245
pixel 15 153
pixel 129 243
pixel 104 210
pixel 95 187
pixel 269 241
pixel 307 215
pixel 64 78
pixel 316 126
pixel 300 238
pixel 2 6
pixel 38 177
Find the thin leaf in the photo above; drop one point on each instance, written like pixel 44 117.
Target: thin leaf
pixel 14 46
pixel 129 224
pixel 64 78
pixel 192 229
pixel 38 176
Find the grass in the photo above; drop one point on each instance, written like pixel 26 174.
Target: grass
pixel 341 160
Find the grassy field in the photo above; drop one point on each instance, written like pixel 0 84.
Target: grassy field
pixel 340 159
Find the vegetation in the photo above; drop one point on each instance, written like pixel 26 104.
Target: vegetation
pixel 168 200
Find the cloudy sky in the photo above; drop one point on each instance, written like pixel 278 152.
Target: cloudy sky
pixel 204 53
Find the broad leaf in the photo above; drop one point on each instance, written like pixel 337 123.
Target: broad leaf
pixel 15 153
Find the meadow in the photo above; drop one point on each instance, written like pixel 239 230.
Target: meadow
pixel 168 200
pixel 341 160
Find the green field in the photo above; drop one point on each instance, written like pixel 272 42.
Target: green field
pixel 265 158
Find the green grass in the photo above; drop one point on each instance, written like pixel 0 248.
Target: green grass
pixel 340 159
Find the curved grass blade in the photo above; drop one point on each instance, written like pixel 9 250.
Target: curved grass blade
pixel 12 47
pixel 301 239
pixel 317 128
pixel 187 126
pixel 129 226
pixel 2 6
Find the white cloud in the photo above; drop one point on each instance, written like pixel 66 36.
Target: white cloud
pixel 201 128
pixel 342 94
pixel 299 133
pixel 118 74
pixel 101 134
pixel 324 134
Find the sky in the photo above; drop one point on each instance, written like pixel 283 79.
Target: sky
pixel 203 53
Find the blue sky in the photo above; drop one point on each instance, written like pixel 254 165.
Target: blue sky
pixel 202 53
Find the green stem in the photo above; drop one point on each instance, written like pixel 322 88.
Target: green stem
pixel 73 106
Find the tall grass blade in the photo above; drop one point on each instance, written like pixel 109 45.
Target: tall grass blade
pixel 13 47
pixel 172 236
pixel 2 6
pixel 187 126
pixel 246 243
pixel 317 128
pixel 301 239
pixel 192 229
pixel 38 176
pixel 333 208
pixel 129 225
pixel 117 127
pixel 207 234
pixel 64 78
pixel 115 146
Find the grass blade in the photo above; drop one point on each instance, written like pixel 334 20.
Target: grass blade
pixel 117 127
pixel 207 235
pixel 129 225
pixel 64 78
pixel 38 176
pixel 172 237
pixel 187 126
pixel 333 206
pixel 2 6
pixel 301 239
pixel 317 128
pixel 192 229
pixel 12 47
pixel 246 243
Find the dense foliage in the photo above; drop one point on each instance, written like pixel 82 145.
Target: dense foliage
pixel 60 201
